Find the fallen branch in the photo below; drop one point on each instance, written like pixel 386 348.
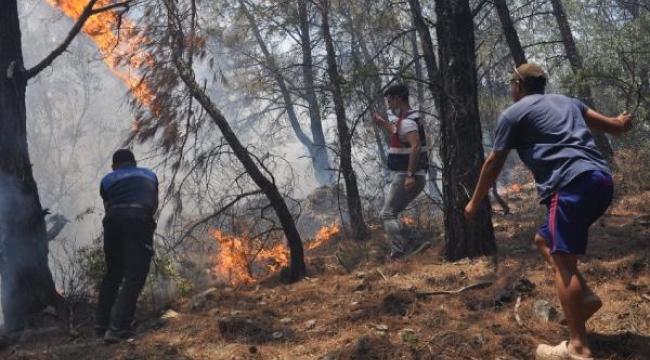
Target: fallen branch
pixel 479 285
pixel 517 317
pixel 646 296
pixel 382 274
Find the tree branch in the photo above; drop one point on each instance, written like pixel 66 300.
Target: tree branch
pixel 85 15
pixel 123 4
pixel 478 8
pixel 210 217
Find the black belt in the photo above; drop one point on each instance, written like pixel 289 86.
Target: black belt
pixel 128 205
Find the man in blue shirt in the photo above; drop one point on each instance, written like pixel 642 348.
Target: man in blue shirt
pixel 130 197
pixel 551 135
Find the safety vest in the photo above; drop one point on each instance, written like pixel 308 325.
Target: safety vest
pixel 399 152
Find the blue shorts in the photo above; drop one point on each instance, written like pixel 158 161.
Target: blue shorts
pixel 572 209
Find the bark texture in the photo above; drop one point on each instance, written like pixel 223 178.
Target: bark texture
pixel 461 142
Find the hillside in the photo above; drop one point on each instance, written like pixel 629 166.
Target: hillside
pixel 357 305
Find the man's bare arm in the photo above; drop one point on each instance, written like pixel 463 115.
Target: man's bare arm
pixel 611 125
pixel 489 173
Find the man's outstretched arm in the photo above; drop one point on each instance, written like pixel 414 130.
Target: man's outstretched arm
pixel 489 173
pixel 611 125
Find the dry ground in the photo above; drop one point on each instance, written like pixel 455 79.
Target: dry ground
pixel 356 305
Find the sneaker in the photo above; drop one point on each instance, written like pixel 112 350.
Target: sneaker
pixel 578 357
pixel 114 336
pixel 548 352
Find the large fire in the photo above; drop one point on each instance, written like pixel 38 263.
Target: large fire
pixel 118 42
pixel 242 259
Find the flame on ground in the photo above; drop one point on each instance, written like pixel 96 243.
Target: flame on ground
pixel 324 234
pixel 241 259
pixel 121 51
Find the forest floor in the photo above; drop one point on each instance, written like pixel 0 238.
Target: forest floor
pixel 355 304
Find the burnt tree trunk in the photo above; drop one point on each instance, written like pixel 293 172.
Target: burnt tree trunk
pixel 359 228
pixel 297 266
pixel 512 38
pixel 461 142
pixel 584 90
pixel 27 284
pixel 297 269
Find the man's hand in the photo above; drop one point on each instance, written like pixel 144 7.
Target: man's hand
pixel 470 211
pixel 379 120
pixel 625 119
pixel 409 183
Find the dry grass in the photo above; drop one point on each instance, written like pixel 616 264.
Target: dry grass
pixel 356 305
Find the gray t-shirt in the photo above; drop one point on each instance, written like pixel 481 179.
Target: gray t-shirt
pixel 550 134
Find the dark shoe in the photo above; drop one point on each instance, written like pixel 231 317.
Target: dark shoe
pixel 99 331
pixel 114 336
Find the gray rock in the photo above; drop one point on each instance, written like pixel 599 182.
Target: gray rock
pixel 544 311
pixel 310 324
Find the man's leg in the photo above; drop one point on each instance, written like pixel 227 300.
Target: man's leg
pixel 396 201
pixel 591 303
pixel 112 279
pixel 137 251
pixel 570 292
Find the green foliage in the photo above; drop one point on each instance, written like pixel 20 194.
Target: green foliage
pixel 164 268
pixel 91 262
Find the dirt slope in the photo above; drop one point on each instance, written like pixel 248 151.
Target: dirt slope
pixel 357 305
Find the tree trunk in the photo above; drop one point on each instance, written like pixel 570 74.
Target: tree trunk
pixel 359 228
pixel 512 38
pixel 315 146
pixel 584 90
pixel 434 191
pixel 461 143
pixel 297 268
pixel 321 157
pixel 433 73
pixel 371 87
pixel 27 284
pixel 419 74
pixel 427 51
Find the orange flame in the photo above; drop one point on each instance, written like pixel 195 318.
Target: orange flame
pixel 239 256
pixel 324 235
pixel 121 50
